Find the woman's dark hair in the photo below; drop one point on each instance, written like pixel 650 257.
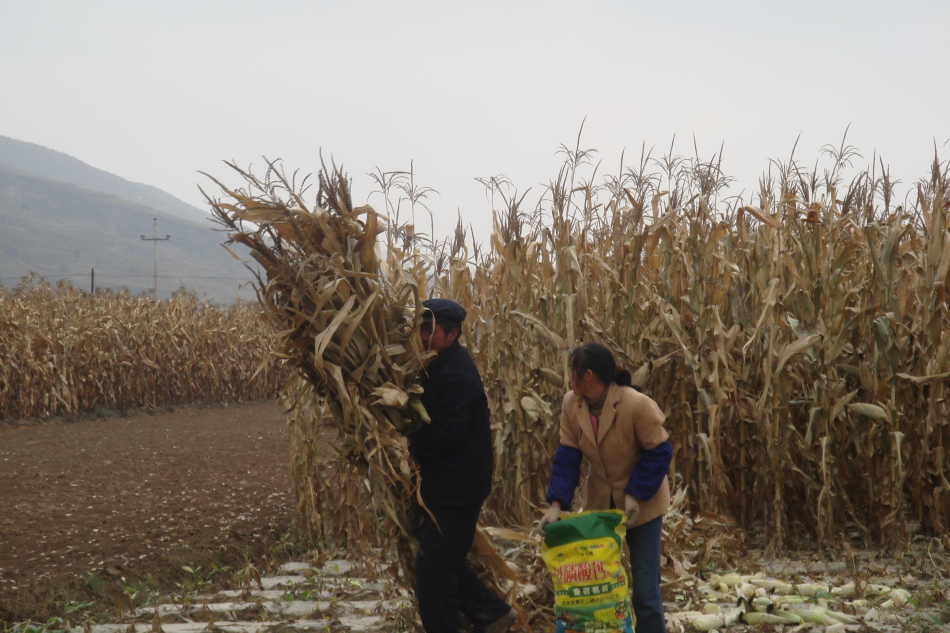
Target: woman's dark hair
pixel 598 359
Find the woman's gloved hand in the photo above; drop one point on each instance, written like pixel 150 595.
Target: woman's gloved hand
pixel 552 515
pixel 631 510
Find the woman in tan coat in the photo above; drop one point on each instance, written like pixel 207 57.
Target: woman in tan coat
pixel 620 433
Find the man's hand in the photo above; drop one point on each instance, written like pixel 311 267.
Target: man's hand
pixel 552 515
pixel 631 510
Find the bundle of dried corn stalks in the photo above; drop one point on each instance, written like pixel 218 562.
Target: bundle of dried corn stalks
pixel 347 319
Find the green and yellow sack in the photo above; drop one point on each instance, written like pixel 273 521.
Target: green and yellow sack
pixel 583 552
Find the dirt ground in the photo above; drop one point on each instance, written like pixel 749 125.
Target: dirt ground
pixel 94 505
pixel 95 509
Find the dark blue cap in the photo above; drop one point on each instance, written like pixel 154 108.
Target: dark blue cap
pixel 443 310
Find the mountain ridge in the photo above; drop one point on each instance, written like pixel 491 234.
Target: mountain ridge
pixel 35 160
pixel 60 230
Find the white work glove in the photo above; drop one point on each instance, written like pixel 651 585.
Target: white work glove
pixel 631 510
pixel 552 515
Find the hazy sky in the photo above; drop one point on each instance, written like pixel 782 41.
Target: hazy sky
pixel 156 91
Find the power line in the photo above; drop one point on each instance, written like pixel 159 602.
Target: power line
pixel 163 277
pixel 101 276
pixel 116 281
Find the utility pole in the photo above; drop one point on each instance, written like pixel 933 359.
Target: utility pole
pixel 155 239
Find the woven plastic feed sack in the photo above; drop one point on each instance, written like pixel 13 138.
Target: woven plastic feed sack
pixel 583 553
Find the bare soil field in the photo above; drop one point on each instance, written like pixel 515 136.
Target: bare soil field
pixel 91 507
pixel 100 512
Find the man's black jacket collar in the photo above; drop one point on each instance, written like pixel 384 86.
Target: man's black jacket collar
pixel 448 354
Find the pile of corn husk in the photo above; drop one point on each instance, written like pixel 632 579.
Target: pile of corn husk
pixel 347 322
pixel 696 541
pixel 758 600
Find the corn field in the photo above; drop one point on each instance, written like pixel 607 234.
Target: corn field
pixel 798 342
pixel 65 351
pixel 796 338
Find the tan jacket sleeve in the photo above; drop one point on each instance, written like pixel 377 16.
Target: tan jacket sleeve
pixel 569 430
pixel 648 424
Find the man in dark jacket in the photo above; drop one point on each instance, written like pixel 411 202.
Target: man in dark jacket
pixel 454 453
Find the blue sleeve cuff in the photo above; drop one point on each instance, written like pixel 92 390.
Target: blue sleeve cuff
pixel 649 472
pixel 565 473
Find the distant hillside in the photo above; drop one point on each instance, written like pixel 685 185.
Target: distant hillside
pixel 35 160
pixel 60 230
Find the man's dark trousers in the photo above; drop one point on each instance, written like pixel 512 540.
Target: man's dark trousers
pixel 445 584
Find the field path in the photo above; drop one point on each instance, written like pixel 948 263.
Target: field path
pixel 124 497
